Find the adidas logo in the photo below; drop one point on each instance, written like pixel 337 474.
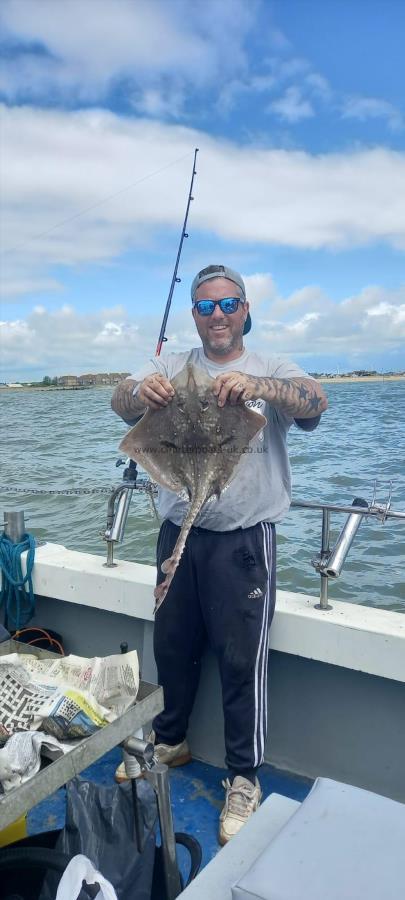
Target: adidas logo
pixel 255 593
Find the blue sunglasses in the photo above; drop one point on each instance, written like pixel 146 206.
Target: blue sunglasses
pixel 227 305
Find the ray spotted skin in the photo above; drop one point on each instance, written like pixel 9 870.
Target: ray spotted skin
pixel 190 443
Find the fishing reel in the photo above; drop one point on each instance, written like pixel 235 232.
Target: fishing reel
pixel 130 473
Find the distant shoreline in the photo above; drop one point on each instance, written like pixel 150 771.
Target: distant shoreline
pixel 325 379
pixel 49 387
pixel 354 379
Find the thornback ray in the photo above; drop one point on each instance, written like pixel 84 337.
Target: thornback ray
pixel 192 444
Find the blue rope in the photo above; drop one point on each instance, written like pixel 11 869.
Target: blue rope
pixel 17 592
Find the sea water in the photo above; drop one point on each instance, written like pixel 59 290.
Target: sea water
pixel 62 439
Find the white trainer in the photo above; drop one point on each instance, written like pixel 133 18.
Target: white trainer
pixel 178 755
pixel 241 800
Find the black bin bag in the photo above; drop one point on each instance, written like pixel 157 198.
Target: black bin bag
pixel 100 824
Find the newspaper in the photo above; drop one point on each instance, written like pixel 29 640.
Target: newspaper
pixel 68 697
pixel 21 757
pixel 61 699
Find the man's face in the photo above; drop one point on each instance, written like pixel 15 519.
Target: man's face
pixel 221 333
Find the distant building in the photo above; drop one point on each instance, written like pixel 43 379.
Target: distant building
pixel 102 378
pixel 67 380
pixel 90 378
pixel 116 377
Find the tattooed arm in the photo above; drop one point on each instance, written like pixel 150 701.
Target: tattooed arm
pixel 125 404
pixel 154 391
pixel 300 398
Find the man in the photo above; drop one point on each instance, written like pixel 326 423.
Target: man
pixel 224 588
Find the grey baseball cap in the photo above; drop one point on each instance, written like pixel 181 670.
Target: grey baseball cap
pixel 221 272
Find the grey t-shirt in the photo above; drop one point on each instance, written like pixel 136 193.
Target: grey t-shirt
pixel 261 488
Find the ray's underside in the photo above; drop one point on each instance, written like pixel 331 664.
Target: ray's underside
pixel 191 444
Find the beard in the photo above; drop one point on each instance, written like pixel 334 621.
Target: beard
pixel 233 342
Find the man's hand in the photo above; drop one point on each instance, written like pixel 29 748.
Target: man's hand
pixel 235 387
pixel 155 391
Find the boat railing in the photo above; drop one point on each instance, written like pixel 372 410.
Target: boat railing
pixel 118 506
pixel 330 560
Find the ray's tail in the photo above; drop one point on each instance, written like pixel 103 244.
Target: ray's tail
pixel 169 565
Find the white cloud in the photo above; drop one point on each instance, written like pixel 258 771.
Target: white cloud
pixel 16 287
pixel 13 334
pixel 91 44
pixel 290 68
pixel 292 106
pixel 66 341
pixel 77 159
pixel 279 40
pixel 156 55
pixel 394 314
pixel 306 324
pixel 301 326
pixel 273 75
pixel 319 85
pixel 364 108
pixel 160 102
pixel 288 308
pixel 116 335
pixel 374 318
pixel 260 287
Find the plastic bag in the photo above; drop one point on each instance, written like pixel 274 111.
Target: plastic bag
pixel 100 825
pixel 80 868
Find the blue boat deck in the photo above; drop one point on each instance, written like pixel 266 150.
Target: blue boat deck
pixel 197 798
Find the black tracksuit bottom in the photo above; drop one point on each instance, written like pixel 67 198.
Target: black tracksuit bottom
pixel 223 592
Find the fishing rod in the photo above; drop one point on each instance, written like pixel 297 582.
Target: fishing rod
pixel 175 279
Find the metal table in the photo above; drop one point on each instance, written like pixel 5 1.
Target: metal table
pixel 18 801
pixel 148 704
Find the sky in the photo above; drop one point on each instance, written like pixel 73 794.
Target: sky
pixel 297 108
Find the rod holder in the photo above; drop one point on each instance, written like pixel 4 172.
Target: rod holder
pixel 121 515
pixel 346 537
pixel 157 774
pixel 330 563
pixel 142 750
pixel 14 525
pixel 320 561
pixel 117 514
pixel 158 777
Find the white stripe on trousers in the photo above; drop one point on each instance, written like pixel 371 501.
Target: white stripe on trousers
pixel 260 686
